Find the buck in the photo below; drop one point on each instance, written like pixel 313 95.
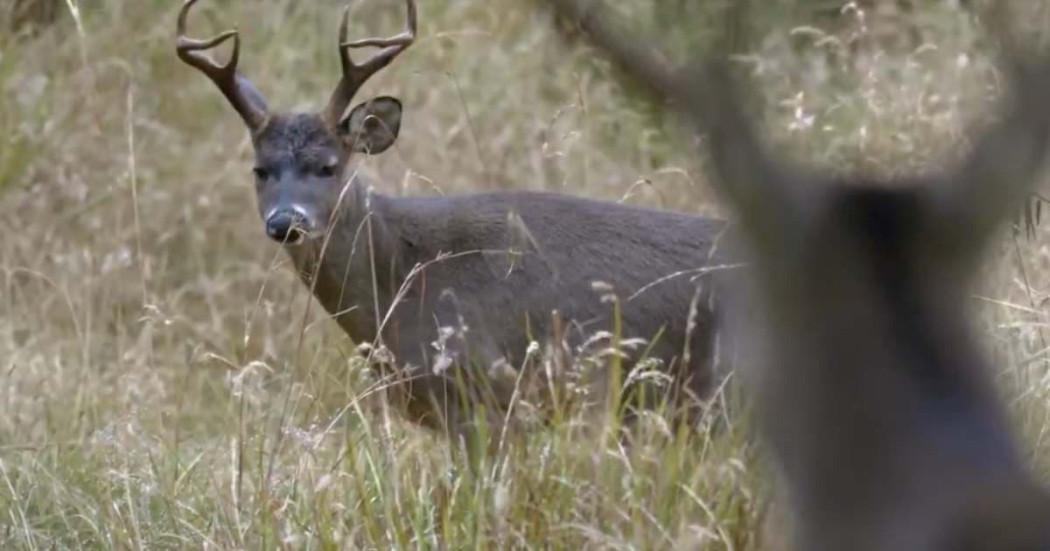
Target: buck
pixel 465 281
pixel 874 396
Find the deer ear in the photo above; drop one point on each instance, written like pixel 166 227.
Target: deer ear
pixel 372 126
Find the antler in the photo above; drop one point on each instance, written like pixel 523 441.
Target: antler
pixel 355 74
pixel 1006 159
pixel 238 90
pixel 764 189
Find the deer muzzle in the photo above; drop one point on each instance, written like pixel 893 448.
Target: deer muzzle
pixel 288 226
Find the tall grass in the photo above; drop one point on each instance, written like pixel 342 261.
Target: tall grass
pixel 159 387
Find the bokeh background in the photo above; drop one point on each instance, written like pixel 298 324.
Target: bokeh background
pixel 165 383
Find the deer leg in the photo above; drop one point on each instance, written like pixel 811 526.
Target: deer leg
pixel 457 386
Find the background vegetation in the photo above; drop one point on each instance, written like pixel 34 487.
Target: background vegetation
pixel 163 384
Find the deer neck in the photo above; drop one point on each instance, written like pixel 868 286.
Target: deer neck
pixel 352 270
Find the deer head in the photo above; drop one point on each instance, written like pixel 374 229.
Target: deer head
pixel 877 402
pixel 301 158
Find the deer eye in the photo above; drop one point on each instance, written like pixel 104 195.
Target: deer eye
pixel 261 173
pixel 326 171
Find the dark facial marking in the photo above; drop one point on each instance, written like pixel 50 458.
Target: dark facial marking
pixel 301 139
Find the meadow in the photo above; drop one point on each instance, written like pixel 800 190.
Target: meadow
pixel 166 382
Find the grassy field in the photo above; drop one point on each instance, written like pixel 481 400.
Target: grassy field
pixel 165 384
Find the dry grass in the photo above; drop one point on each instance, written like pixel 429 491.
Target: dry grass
pixel 160 387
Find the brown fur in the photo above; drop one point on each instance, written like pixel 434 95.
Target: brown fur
pixel 478 276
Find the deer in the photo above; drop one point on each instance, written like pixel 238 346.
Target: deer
pixel 876 402
pixel 463 280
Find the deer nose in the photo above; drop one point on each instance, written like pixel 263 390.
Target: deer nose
pixel 286 226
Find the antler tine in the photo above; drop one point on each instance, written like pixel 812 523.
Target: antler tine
pixel 237 89
pixel 356 74
pixel 761 187
pixel 403 39
pixel 1007 158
